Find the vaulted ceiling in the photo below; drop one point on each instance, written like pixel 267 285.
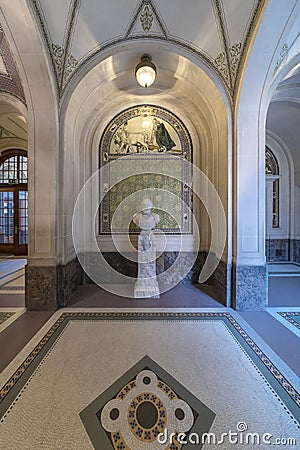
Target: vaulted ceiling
pixel 218 31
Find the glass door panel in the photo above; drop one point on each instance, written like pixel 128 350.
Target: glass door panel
pixel 23 218
pixel 13 221
pixel 7 217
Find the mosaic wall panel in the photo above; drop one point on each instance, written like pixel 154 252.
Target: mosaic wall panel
pixel 147 137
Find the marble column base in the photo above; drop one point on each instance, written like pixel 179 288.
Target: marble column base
pixel 41 288
pixel 249 288
pixel 49 288
pixel 146 288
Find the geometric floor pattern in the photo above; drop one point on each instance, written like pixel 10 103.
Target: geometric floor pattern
pixel 144 381
pixel 5 316
pixel 288 316
pixel 292 317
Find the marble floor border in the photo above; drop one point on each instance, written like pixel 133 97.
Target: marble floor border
pixel 284 316
pixel 19 371
pixel 15 314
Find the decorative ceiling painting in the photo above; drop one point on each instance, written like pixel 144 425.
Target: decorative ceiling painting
pixel 217 31
pixel 135 144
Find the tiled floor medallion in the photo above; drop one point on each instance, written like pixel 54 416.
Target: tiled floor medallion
pixel 292 317
pixel 149 402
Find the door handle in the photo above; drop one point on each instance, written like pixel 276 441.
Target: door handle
pixel 16 229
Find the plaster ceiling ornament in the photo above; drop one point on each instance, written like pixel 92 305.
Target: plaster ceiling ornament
pixel 146 18
pixel 216 34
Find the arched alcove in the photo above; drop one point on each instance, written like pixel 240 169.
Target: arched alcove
pixel 181 87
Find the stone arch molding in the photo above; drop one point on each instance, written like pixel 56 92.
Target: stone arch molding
pixel 23 37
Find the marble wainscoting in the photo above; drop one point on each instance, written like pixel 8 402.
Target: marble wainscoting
pixel 48 288
pixel 217 286
pixel 249 288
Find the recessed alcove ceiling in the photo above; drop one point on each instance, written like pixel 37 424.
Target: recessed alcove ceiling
pixel 181 85
pixel 283 115
pixel 13 126
pixel 216 31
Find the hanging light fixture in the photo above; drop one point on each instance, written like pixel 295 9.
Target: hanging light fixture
pixel 145 71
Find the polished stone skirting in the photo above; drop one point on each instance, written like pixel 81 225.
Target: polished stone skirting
pixel 217 286
pixel 70 276
pixel 48 288
pixel 221 283
pixel 278 250
pixel 295 248
pixel 283 250
pixel 249 288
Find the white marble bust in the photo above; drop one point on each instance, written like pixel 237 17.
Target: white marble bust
pixel 146 220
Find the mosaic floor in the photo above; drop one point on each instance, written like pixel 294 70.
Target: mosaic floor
pixel 9 315
pixel 143 381
pixel 5 316
pixel 290 317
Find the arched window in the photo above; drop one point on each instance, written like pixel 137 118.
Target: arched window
pixel 13 202
pixel 272 172
pixel 13 170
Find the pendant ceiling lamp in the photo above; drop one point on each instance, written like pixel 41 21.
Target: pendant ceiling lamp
pixel 145 71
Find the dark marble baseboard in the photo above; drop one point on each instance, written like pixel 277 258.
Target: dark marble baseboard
pixel 249 288
pixel 283 250
pixel 219 282
pixel 278 250
pixel 48 288
pixel 295 247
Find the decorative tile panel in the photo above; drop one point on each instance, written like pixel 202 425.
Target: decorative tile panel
pixel 145 136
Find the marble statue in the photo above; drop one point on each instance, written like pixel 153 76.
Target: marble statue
pixel 146 284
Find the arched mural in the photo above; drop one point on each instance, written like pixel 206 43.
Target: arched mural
pixel 149 133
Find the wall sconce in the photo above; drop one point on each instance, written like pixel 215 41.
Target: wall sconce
pixel 145 71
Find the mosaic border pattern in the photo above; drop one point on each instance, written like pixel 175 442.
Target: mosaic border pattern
pixel 289 317
pixel 15 383
pixel 5 316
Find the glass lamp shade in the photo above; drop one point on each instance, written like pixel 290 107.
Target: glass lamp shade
pixel 145 72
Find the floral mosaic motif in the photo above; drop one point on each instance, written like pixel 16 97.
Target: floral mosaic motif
pixel 235 52
pixel 221 65
pixel 284 54
pixel 146 18
pixel 143 409
pixel 58 55
pixel 67 67
pixel 71 65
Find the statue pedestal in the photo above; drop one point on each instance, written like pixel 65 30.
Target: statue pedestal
pixel 146 284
